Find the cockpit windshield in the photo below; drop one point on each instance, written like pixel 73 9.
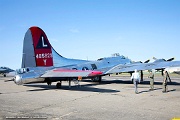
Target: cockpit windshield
pixel 100 59
pixel 22 70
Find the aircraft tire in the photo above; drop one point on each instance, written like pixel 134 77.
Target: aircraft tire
pixel 49 83
pixel 4 75
pixel 97 79
pixel 58 85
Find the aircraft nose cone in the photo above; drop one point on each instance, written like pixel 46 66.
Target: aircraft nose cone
pixel 18 80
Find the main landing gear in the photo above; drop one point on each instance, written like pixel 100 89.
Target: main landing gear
pixel 49 82
pixel 4 75
pixel 97 79
pixel 58 85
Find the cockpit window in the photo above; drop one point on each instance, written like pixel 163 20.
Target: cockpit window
pixel 100 59
pixel 21 71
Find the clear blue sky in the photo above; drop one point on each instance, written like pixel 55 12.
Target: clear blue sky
pixel 139 29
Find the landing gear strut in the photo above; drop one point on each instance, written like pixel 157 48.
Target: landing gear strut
pixel 141 76
pixel 69 83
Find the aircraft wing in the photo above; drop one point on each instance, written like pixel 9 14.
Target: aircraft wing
pixel 143 66
pixel 70 73
pixel 3 70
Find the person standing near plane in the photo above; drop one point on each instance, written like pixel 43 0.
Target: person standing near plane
pixel 136 79
pixel 165 77
pixel 151 76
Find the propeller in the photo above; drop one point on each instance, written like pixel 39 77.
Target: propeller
pixel 147 61
pixel 141 61
pixel 170 59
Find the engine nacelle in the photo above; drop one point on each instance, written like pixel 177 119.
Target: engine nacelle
pixel 30 77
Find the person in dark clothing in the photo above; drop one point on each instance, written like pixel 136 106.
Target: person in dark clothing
pixel 165 77
pixel 151 76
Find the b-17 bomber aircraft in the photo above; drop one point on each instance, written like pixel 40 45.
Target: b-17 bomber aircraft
pixel 5 70
pixel 41 63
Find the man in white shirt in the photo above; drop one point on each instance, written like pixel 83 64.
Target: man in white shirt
pixel 136 79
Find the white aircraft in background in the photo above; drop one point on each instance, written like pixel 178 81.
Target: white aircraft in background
pixel 41 63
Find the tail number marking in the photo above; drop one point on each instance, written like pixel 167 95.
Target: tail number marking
pixel 44 61
pixel 44 55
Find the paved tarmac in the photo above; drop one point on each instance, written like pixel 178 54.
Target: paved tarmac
pixel 113 99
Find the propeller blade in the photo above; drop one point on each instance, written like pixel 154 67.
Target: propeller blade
pixel 170 59
pixel 147 61
pixel 9 80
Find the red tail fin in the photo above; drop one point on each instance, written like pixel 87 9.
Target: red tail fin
pixel 39 52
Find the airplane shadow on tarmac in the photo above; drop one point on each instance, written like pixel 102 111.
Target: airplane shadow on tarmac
pixel 130 82
pixel 88 87
pixel 85 87
pixel 144 91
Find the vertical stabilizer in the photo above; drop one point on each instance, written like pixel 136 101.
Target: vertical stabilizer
pixel 36 49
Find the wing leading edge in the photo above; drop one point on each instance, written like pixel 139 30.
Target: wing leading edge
pixel 143 66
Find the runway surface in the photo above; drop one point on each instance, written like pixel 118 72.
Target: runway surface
pixel 113 99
